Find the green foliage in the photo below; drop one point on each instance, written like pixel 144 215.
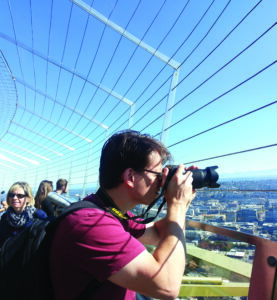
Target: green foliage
pixel 217 245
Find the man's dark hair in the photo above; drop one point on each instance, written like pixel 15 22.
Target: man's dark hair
pixel 127 149
pixel 61 183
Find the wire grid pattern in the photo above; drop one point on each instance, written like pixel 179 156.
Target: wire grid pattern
pixel 8 96
pixel 79 80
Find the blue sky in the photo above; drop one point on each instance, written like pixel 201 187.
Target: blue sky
pixel 65 62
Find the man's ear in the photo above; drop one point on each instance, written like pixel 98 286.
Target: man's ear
pixel 128 177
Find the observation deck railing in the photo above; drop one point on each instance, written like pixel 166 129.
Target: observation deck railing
pixel 257 281
pixel 231 278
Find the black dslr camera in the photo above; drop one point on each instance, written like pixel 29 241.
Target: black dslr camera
pixel 201 177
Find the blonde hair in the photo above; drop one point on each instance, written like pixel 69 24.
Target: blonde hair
pixel 27 191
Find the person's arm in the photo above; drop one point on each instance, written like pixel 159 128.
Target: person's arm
pixel 159 275
pixel 151 235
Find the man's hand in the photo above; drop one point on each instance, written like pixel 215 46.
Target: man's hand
pixel 179 189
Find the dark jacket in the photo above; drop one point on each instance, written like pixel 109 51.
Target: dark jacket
pixel 6 230
pixel 48 207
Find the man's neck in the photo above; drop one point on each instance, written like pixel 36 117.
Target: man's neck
pixel 121 199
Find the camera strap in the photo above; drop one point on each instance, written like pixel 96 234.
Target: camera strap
pixel 115 211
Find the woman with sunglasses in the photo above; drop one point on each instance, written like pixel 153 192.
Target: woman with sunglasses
pixel 21 212
pixel 45 187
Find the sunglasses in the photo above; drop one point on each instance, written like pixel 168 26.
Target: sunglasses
pixel 19 196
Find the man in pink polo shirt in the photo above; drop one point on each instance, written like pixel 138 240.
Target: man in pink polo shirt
pixel 100 251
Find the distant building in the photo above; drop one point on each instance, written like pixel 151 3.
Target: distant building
pixel 213 211
pixel 193 235
pixel 233 205
pixel 269 228
pixel 191 212
pixel 218 218
pixel 271 215
pixel 274 235
pixel 230 215
pixel 201 210
pixel 246 215
pixel 248 230
pixel 235 254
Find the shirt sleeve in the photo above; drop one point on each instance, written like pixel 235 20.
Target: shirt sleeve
pixel 98 243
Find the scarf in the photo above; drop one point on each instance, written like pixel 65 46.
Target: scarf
pixel 20 220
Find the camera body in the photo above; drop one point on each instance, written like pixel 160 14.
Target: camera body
pixel 201 177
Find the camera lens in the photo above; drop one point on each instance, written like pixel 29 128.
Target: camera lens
pixel 201 177
pixel 205 178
